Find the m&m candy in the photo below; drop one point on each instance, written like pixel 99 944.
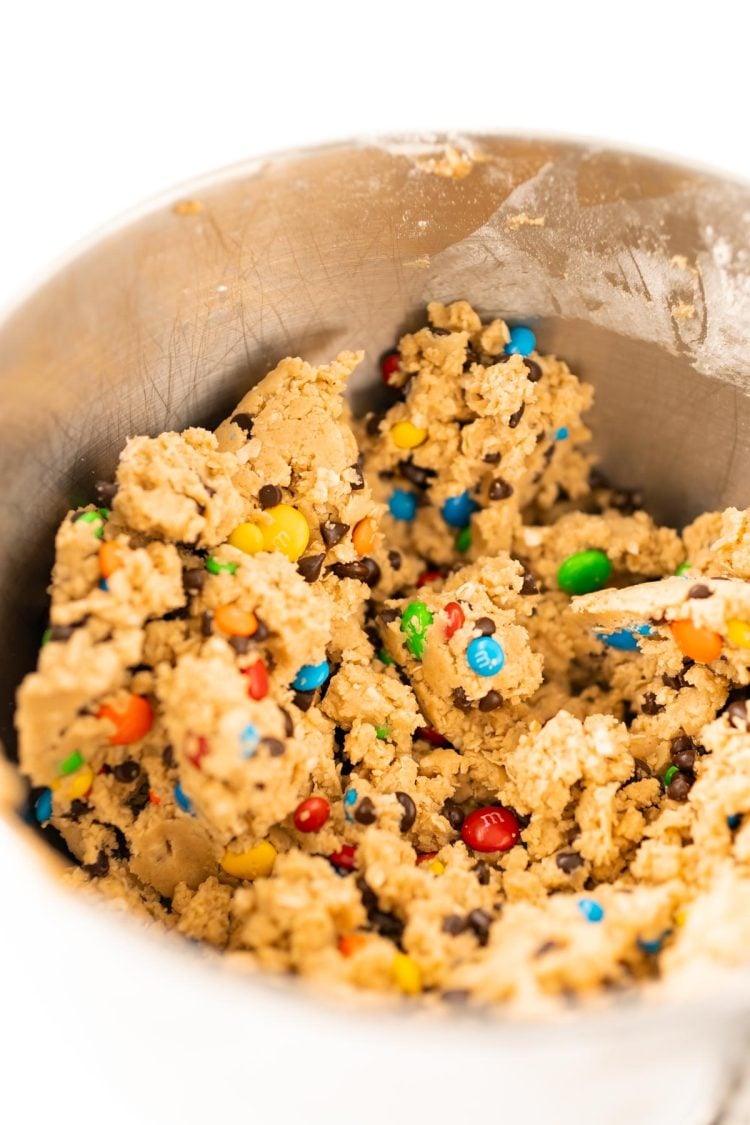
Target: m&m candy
pixel 584 572
pixel 458 510
pixel 492 829
pixel 248 739
pixel 701 645
pixel 485 656
pixel 43 806
pixel 311 676
pixel 286 531
pixel 364 535
pixel 254 863
pixel 235 621
pixel 345 857
pixel 214 566
pixel 405 435
pixel 110 558
pixel 247 537
pixel 131 718
pixel 257 680
pixel 738 632
pixel 311 814
pixel 407 975
pixel 591 909
pixel 402 504
pixel 182 798
pixel 625 640
pixel 562 433
pixel 415 621
pixel 389 365
pixel 454 618
pixel 522 341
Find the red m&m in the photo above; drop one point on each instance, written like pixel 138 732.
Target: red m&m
pixel 455 619
pixel 492 829
pixel 389 365
pixel 311 815
pixel 257 680
pixel 346 858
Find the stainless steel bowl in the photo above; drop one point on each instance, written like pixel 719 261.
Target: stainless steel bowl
pixel 636 270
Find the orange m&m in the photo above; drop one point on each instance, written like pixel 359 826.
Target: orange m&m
pixel 701 645
pixel 235 621
pixel 132 719
pixel 363 536
pixel 110 558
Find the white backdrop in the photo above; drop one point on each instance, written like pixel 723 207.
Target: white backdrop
pixel 104 104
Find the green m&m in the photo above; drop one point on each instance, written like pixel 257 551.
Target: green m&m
pixel 213 566
pixel 584 572
pixel 415 620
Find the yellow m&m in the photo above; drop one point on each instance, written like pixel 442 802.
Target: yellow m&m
pixel 739 632
pixel 407 974
pixel 255 863
pixel 247 537
pixel 287 531
pixel 406 435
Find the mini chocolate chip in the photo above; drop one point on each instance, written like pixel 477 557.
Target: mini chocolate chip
pixel 193 581
pixel 78 809
pixel 491 701
pixel 372 425
pixel 359 482
pixel 675 682
pixel 372 576
pixel 387 925
pixel 303 700
pixel 269 496
pixel 491 458
pixel 480 921
pixel 415 474
pixel 533 370
pixel 439 331
pixel 548 453
pixel 461 700
pixel 333 532
pixel 650 705
pixel 274 746
pixel 106 491
pixel 680 786
pixel 388 614
pixel 516 417
pixel 682 752
pixel 394 558
pixel 737 714
pixel 139 798
pixel 167 757
pixel 121 849
pixel 453 814
pixel 626 501
pixel 127 771
pixel 410 811
pixel 455 995
pixel 357 569
pixel 568 861
pixel 310 567
pixel 485 626
pixel 529 585
pixel 500 489
pixel 241 645
pixel 365 812
pixel 288 722
pixel 545 948
pixel 700 591
pixel 245 422
pixel 641 770
pixel 207 623
pixel 482 872
pixel 597 479
pixel 99 868
pixel 61 632
pixel 453 924
pixel 179 614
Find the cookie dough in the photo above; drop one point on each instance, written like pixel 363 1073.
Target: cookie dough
pixel 419 704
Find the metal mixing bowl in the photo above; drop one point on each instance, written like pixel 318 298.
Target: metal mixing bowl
pixel 634 269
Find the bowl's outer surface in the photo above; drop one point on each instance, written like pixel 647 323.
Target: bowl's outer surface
pixel 635 270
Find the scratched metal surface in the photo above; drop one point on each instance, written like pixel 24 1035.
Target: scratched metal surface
pixel 636 270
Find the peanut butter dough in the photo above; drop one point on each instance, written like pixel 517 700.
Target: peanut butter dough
pixel 261 718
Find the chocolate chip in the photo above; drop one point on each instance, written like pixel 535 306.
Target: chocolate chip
pixel 453 814
pixel 121 849
pixel 453 924
pixel 139 798
pixel 568 861
pixel 650 705
pixel 387 925
pixel 455 995
pixel 106 491
pixel 500 489
pixel 333 532
pixel 548 453
pixel 269 496
pixel 491 458
pixel 193 581
pixel 641 770
pixel 207 623
pixel 245 422
pixel 680 786
pixel 699 590
pixel 440 331
pixel 262 631
pixel 485 626
pixel 303 700
pixel 127 771
pixel 61 632
pixel 682 752
pixel 179 614
pixel 288 722
pixel 99 868
pixel 675 682
pixel 359 481
pixel 545 948
pixel 410 811
pixel 415 474
pixel 241 645
pixel 365 812
pixel 461 700
pixel 626 501
pixel 372 425
pixel 167 757
pixel 394 558
pixel 480 921
pixel 517 416
pixel 372 576
pixel 310 567
pixel 491 701
pixel 274 746
pixel 360 569
pixel 597 479
pixel 78 809
pixel 482 872
pixel 533 370
pixel 738 716
pixel 529 585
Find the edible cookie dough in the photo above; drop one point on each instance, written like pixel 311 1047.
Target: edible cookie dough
pixel 432 709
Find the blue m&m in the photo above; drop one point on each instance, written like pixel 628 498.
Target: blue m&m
pixel 625 640
pixel 458 510
pixel 43 806
pixel 350 800
pixel 249 739
pixel 592 910
pixel 311 676
pixel 402 504
pixel 522 341
pixel 182 798
pixel 485 656
pixel 562 433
